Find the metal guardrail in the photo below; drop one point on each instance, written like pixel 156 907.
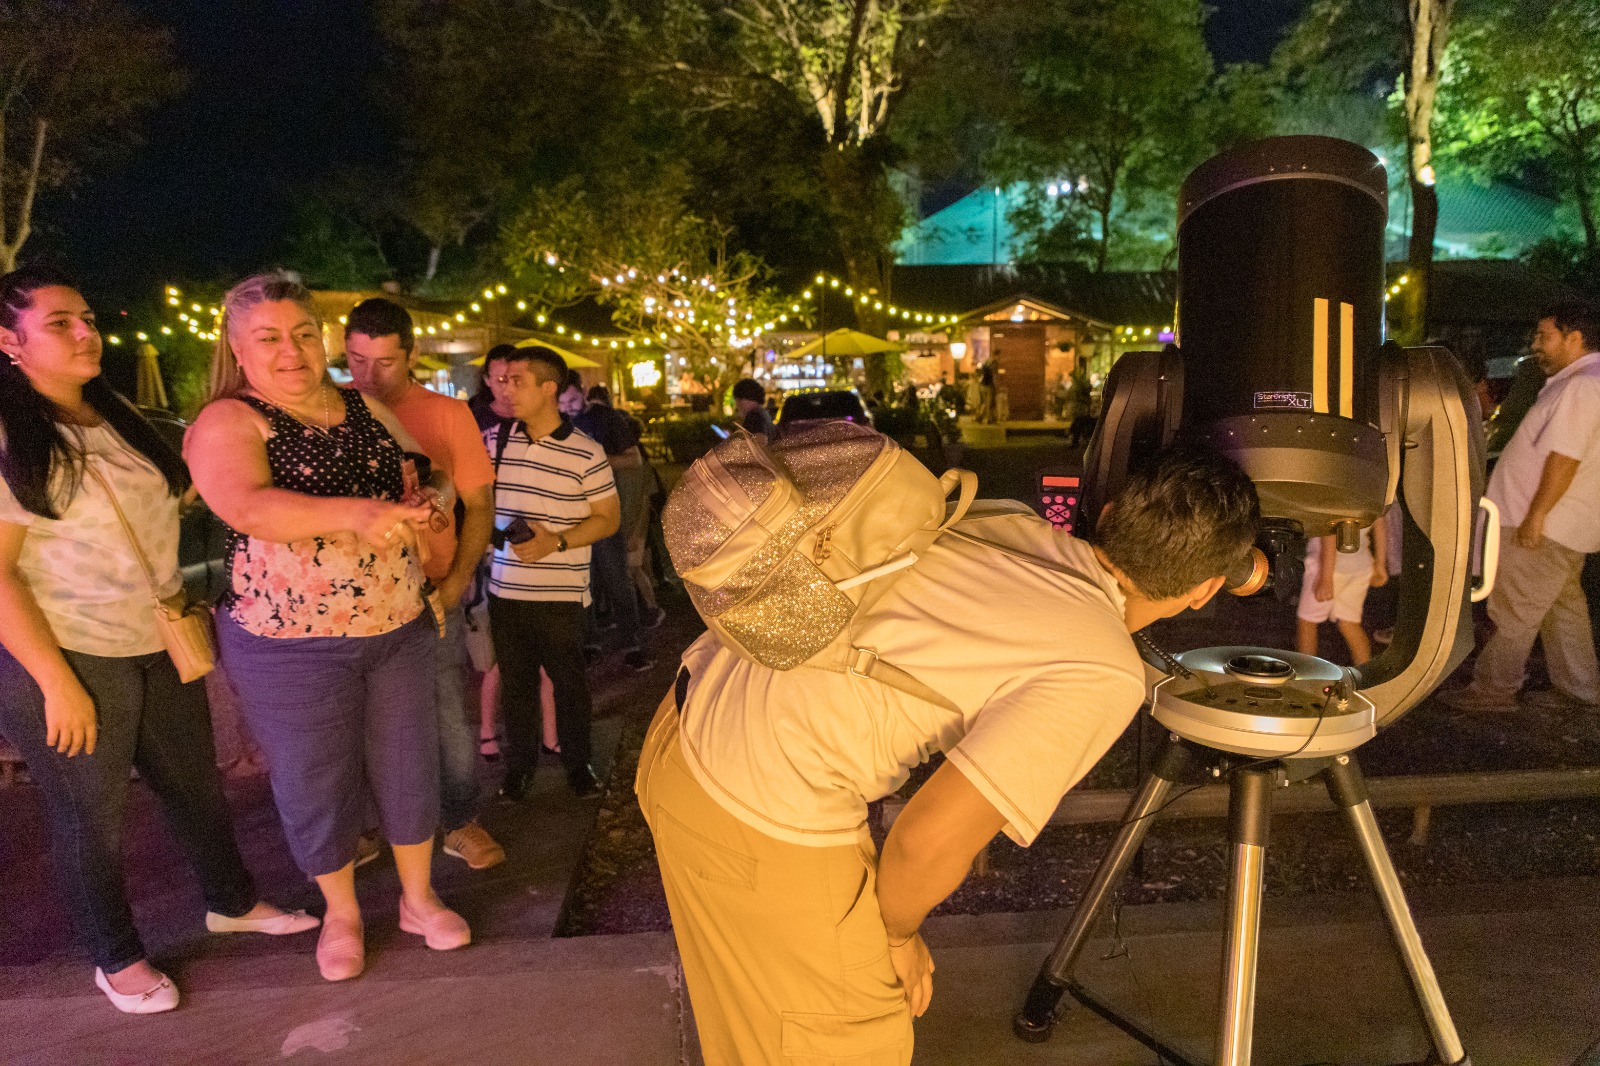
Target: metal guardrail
pixel 1419 791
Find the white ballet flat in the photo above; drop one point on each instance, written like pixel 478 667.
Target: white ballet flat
pixel 277 925
pixel 163 997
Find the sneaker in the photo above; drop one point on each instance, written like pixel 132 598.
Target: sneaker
pixel 638 660
pixel 367 848
pixel 1470 699
pixel 656 620
pixel 1553 699
pixel 473 845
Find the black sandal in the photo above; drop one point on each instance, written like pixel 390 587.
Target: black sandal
pixel 490 756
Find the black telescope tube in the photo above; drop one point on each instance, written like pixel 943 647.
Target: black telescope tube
pixel 1280 320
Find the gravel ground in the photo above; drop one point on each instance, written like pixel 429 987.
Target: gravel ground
pixel 617 888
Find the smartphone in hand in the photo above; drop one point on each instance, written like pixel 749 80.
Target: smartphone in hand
pixel 518 531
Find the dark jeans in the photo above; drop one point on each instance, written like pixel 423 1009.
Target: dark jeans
pixel 146 719
pixel 608 569
pixel 458 742
pixel 339 718
pixel 529 634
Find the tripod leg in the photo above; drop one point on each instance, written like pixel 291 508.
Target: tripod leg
pixel 1038 1015
pixel 1348 790
pixel 1249 816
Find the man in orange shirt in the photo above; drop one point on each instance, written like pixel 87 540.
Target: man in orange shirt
pixel 379 347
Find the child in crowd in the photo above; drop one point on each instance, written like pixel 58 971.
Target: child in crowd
pixel 1335 589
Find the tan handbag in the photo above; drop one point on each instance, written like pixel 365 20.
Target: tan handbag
pixel 185 627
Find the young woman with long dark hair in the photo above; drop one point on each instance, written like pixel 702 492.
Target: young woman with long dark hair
pixel 87 690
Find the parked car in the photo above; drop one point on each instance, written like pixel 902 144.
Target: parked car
pixel 822 405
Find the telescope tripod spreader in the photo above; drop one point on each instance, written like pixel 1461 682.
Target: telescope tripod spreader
pixel 1282 367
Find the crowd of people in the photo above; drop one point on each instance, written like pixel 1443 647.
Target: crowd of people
pixel 383 538
pixel 370 529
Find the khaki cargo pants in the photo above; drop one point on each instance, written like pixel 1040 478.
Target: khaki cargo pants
pixel 783 946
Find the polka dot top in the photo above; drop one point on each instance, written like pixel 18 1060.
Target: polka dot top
pixel 335 585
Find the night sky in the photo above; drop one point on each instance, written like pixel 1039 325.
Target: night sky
pixel 277 100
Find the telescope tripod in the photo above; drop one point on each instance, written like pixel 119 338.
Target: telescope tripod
pixel 1251 781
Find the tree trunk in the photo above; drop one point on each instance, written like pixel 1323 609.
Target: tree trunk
pixel 1429 23
pixel 434 251
pixel 1582 192
pixel 11 246
pixel 1419 263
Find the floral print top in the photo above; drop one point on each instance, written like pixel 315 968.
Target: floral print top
pixel 332 586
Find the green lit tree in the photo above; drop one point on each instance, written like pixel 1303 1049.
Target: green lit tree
pixel 666 275
pixel 1521 90
pixel 1112 105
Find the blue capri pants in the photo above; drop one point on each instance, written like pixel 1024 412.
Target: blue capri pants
pixel 339 718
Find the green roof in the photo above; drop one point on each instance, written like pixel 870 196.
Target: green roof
pixel 1493 221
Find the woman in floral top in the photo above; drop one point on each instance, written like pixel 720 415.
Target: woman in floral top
pixel 323 627
pixel 86 688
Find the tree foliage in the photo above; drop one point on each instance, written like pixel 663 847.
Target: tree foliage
pixel 667 276
pixel 1522 90
pixel 74 77
pixel 1114 101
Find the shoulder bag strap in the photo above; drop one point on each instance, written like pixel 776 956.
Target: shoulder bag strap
pixel 502 437
pixel 127 528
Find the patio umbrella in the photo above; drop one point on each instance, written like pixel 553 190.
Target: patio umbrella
pixel 149 389
pixel 573 359
pixel 844 342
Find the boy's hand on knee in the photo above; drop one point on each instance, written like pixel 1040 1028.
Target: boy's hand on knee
pixel 914 967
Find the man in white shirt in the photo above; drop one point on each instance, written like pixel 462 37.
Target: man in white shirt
pixel 798 945
pixel 553 498
pixel 1547 486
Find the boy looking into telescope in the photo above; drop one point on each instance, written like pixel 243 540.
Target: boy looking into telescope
pixel 798 943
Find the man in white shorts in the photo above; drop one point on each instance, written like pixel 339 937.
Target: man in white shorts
pixel 797 943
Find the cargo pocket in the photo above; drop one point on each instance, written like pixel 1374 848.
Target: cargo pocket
pixel 882 1039
pixel 702 856
pixel 862 940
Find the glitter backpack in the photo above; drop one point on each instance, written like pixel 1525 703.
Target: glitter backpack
pixel 781 545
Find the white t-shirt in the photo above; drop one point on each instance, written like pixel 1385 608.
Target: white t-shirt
pixel 81 568
pixel 1040 664
pixel 1566 419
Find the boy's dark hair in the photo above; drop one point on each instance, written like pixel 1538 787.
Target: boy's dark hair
pixel 1570 315
pixel 749 389
pixel 1186 516
pixel 547 364
pixel 378 317
pixel 599 394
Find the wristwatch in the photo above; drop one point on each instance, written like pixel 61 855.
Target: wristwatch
pixel 561 542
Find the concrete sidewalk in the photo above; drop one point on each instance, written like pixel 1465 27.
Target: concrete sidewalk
pixel 1520 966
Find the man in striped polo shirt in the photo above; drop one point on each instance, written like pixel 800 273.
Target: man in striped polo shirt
pixel 554 496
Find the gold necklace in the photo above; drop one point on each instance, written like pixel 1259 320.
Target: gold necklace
pixel 326 427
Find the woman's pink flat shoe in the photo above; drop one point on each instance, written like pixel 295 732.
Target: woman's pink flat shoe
pixel 341 954
pixel 445 931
